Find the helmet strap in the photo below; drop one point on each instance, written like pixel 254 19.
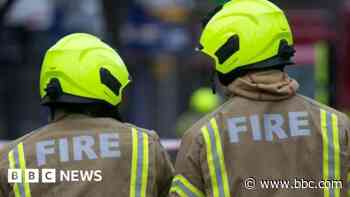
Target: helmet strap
pixel 52 114
pixel 54 90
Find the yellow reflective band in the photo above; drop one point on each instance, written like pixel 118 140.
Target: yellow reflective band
pixel 12 166
pixel 331 151
pixel 139 164
pixel 133 163
pixel 325 149
pixel 210 161
pixel 145 165
pixel 348 183
pixel 215 159
pixel 336 145
pixel 22 164
pixel 178 191
pixel 180 183
pixel 221 155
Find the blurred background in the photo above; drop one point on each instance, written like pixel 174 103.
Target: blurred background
pixel 156 39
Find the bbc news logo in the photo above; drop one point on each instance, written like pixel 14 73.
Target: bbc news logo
pixel 52 176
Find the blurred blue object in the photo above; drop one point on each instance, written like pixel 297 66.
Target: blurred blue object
pixel 151 34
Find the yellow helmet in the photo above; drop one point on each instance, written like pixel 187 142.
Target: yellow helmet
pixel 245 34
pixel 80 68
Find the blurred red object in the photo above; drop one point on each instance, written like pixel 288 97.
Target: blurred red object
pixel 343 45
pixel 310 26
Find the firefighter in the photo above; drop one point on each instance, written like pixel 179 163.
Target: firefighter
pixel 82 82
pixel 265 131
pixel 202 101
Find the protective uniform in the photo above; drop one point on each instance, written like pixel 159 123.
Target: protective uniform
pixel 92 156
pixel 265 131
pixel 131 159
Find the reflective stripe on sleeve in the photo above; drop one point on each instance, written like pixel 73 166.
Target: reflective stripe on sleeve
pixel 139 166
pixel 22 164
pixel 184 188
pixel 348 184
pixel 215 159
pixel 13 165
pixel 17 161
pixel 331 151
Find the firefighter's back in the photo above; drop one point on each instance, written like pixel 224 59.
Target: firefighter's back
pixel 265 131
pixel 92 157
pixel 284 148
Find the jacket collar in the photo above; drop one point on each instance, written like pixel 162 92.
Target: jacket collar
pixel 271 85
pixel 61 115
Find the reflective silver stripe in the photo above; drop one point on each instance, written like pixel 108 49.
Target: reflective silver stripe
pixel 17 166
pixel 330 151
pixel 184 188
pixel 216 160
pixel 139 163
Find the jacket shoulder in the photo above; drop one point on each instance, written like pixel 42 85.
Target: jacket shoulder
pixel 195 130
pixel 316 106
pixel 151 133
pixel 8 146
pixel 125 126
